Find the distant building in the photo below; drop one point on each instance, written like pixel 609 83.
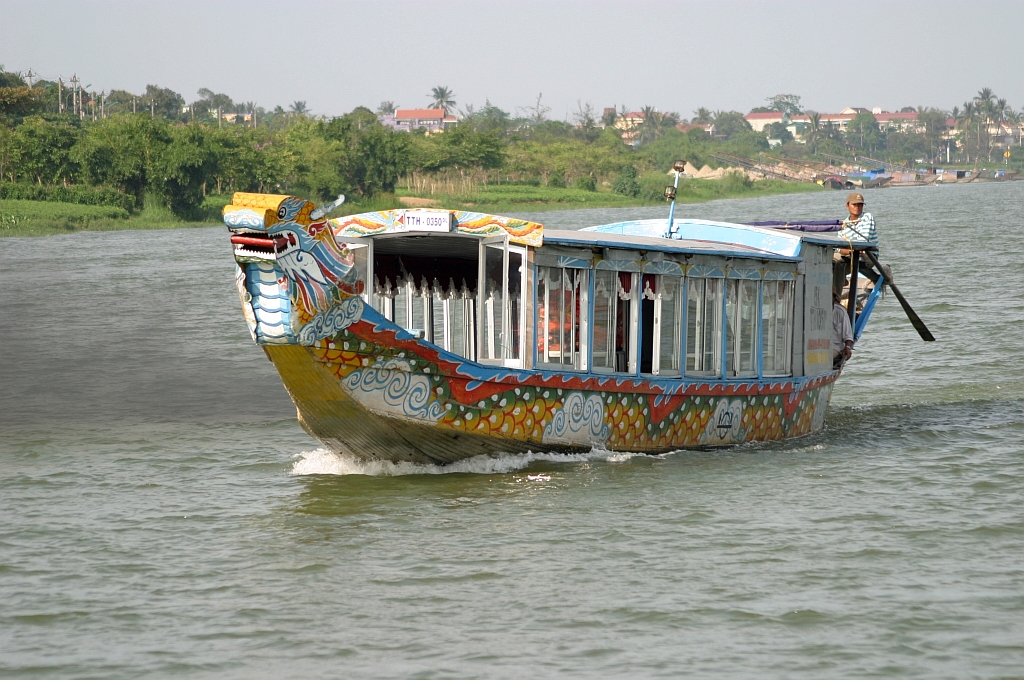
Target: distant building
pixel 706 127
pixel 628 124
pixel 904 122
pixel 235 117
pixel 762 119
pixel 431 120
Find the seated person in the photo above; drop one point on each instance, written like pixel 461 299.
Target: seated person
pixel 842 333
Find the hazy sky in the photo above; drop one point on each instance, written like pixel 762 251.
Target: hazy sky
pixel 675 56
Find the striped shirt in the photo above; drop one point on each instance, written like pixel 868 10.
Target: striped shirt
pixel 862 229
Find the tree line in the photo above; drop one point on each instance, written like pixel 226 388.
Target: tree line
pixel 155 143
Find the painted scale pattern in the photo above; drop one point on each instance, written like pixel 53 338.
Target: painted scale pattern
pixel 559 411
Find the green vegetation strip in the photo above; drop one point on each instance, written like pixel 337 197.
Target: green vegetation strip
pixel 41 218
pixel 498 199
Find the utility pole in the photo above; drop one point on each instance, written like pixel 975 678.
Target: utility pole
pixel 219 118
pixel 152 108
pixel 103 104
pixel 74 93
pixel 60 95
pixel 29 76
pixel 134 108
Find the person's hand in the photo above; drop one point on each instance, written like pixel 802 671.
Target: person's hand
pixel 847 352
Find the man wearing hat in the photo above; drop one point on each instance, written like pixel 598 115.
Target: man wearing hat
pixel 860 226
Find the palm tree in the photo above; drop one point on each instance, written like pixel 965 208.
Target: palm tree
pixel 387 108
pixel 299 108
pixel 703 117
pixel 650 128
pixel 986 106
pixel 967 117
pixel 442 98
pixel 813 132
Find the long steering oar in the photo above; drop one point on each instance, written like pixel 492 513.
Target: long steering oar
pixel 922 330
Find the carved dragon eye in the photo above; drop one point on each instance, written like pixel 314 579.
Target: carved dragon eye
pixel 281 212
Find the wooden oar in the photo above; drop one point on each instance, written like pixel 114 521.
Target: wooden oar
pixel 922 330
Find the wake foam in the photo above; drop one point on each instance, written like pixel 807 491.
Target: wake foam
pixel 324 462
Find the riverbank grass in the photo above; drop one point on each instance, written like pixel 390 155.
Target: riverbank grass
pixel 45 218
pixel 513 198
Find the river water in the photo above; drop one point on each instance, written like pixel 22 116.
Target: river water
pixel 163 515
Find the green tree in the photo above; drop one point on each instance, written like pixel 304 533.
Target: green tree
pixel 932 123
pixel 387 108
pixel 779 131
pixel 16 97
pixel 585 123
pixel 121 152
pixel 7 152
pixel 462 147
pixel 182 168
pixel 730 123
pixel 702 116
pixel 627 183
pixel 164 102
pixel 787 103
pixel 380 157
pixel 43 151
pixel 812 133
pixel 864 133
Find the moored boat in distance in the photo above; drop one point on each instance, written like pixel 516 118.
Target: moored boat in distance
pixel 431 336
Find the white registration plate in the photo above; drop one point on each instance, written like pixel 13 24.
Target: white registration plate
pixel 425 219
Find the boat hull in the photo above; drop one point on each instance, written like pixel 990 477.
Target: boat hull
pixel 373 391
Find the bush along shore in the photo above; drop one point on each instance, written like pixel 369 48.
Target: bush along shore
pixel 47 218
pixel 39 218
pixel 162 168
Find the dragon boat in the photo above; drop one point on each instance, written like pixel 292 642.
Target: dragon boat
pixel 430 336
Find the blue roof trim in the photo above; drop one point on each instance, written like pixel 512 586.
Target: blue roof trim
pixel 663 245
pixel 768 240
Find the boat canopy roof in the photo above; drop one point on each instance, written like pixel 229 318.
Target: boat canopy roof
pixel 592 239
pixel 723 238
pixel 704 237
pixel 764 240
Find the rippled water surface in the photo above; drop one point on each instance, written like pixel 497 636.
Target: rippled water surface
pixel 163 515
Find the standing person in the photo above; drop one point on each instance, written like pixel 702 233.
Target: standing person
pixel 842 333
pixel 860 225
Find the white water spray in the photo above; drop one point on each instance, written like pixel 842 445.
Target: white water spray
pixel 324 462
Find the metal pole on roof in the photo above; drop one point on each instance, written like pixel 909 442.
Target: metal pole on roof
pixel 678 167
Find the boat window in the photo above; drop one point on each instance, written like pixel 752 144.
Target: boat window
pixel 777 327
pixel 427 285
pixel 501 308
pixel 703 326
pixel 360 257
pixel 420 308
pixel 741 301
pixel 514 309
pixel 659 325
pixel 605 296
pixel 615 321
pixel 403 305
pixel 666 321
pixel 561 316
